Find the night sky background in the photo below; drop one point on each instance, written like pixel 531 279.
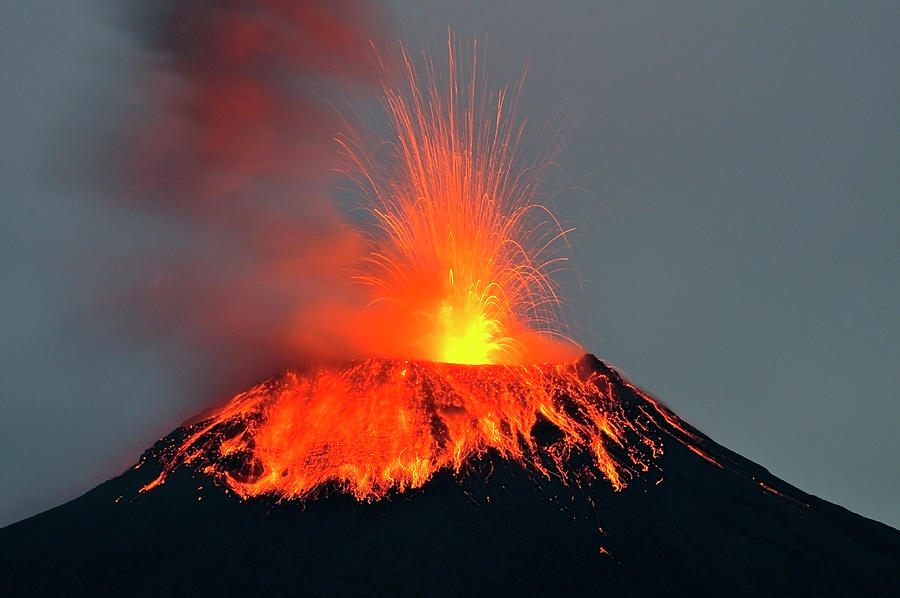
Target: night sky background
pixel 736 237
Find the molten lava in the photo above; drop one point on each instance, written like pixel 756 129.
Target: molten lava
pixel 380 426
pixel 461 247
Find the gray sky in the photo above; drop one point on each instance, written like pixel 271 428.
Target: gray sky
pixel 738 242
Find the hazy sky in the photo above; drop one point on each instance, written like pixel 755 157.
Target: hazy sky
pixel 737 240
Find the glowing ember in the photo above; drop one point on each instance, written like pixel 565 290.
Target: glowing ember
pixel 388 425
pixel 461 248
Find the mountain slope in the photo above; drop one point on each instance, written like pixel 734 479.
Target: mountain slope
pixel 708 523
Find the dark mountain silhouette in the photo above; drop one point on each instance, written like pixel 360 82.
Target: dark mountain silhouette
pixel 710 523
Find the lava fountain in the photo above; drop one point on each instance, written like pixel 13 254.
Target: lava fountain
pixel 463 257
pixel 461 248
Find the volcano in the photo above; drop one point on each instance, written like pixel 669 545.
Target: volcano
pixel 648 506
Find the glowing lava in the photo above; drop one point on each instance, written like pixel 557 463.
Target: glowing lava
pixel 387 425
pixel 461 247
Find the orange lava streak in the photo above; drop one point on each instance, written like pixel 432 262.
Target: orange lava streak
pixel 460 244
pixel 388 425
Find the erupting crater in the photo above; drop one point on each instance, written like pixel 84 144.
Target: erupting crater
pixel 460 271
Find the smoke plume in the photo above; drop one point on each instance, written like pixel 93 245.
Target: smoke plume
pixel 232 143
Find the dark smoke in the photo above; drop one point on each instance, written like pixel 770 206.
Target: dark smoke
pixel 232 143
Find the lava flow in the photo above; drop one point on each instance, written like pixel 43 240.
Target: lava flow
pixel 462 258
pixel 379 426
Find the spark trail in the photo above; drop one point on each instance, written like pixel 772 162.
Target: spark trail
pixel 461 246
